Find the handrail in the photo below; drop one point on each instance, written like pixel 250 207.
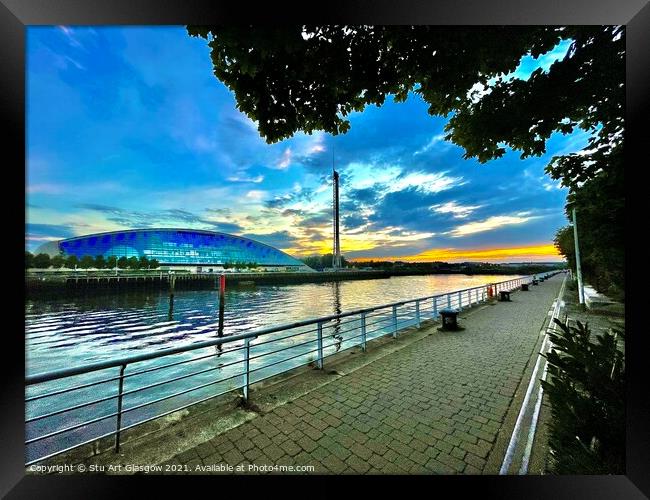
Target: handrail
pixel 391 326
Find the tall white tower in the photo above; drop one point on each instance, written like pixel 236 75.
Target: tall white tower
pixel 336 254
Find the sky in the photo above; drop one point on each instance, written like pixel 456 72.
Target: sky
pixel 127 127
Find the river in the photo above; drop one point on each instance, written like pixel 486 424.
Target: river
pixel 67 332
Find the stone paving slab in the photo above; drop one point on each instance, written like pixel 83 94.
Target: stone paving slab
pixel 434 407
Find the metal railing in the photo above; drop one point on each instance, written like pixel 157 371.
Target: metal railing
pixel 72 407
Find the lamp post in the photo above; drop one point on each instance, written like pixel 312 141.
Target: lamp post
pixel 581 291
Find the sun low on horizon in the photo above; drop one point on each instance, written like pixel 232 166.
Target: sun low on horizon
pixel 127 128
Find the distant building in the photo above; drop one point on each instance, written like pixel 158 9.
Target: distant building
pixel 187 249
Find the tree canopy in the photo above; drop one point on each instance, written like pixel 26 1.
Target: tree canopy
pixel 309 78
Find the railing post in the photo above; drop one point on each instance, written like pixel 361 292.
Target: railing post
pixel 448 301
pixel 319 362
pixel 247 355
pixel 435 307
pixel 417 313
pixel 363 331
pixel 460 300
pixel 394 321
pixel 120 391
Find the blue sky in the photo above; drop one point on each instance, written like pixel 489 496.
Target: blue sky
pixel 127 127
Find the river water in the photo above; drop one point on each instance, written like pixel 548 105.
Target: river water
pixel 67 332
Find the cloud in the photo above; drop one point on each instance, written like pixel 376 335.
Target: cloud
pixel 219 211
pixel 255 195
pixel 317 145
pixel 315 219
pixel 299 194
pixel 435 140
pixel 68 32
pixel 48 231
pixel 174 217
pixel 429 182
pixel 46 188
pixel 457 211
pixel 285 160
pixel 354 221
pixel 489 224
pixel 254 180
pixel 278 239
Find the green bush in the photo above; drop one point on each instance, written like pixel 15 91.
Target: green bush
pixel 29 260
pixel 100 262
pixel 58 261
pixel 586 389
pixel 71 262
pixel 41 261
pixel 86 262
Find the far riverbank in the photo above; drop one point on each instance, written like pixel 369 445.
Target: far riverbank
pixel 47 283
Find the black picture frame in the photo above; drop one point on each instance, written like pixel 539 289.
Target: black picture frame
pixel 15 15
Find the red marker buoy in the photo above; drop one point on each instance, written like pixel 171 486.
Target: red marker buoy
pixel 222 304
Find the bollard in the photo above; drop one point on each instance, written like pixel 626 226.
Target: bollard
pixel 504 296
pixel 449 321
pixel 524 287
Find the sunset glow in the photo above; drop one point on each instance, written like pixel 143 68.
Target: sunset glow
pixel 539 253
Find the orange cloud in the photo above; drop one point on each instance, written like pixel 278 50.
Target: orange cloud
pixel 514 254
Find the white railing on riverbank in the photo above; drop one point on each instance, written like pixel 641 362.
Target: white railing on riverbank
pixel 72 407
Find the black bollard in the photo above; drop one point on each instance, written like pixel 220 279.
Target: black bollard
pixel 449 321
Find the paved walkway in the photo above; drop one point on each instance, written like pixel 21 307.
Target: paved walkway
pixel 435 406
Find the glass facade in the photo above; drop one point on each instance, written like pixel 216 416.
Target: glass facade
pixel 178 247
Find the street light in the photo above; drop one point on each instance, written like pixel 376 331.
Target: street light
pixel 581 290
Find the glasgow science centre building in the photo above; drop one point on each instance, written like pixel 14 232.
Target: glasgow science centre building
pixel 190 249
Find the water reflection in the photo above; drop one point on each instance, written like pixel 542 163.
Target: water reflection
pixel 336 294
pixel 67 332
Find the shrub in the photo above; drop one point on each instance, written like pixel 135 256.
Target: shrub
pixel 57 261
pixel 29 260
pixel 586 388
pixel 86 262
pixel 41 261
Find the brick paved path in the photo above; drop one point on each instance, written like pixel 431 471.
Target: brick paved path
pixel 435 406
